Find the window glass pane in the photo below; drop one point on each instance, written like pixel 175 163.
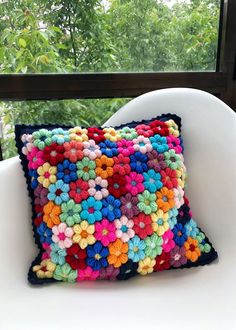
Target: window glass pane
pixel 108 35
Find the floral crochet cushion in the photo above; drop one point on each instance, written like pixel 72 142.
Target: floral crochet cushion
pixel 109 203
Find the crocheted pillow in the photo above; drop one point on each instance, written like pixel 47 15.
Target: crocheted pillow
pixel 109 203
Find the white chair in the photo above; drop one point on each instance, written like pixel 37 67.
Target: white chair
pixel 197 298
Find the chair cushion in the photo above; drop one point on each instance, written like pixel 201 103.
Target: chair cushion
pixel 109 203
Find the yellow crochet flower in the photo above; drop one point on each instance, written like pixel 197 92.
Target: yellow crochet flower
pixel 47 174
pixel 160 222
pixel 78 134
pixel 84 234
pixel 111 134
pixel 181 176
pixel 146 265
pixel 173 127
pixel 45 269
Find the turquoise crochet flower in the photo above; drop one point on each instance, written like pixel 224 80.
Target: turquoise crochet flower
pixel 70 213
pixel 91 210
pixel 86 169
pixel 147 202
pixel 153 245
pixel 172 217
pixel 57 254
pixel 60 136
pixel 173 160
pixel 65 273
pixel 159 143
pixel 136 249
pixel 203 245
pixel 152 180
pixel 191 228
pixel 58 192
pixel 42 138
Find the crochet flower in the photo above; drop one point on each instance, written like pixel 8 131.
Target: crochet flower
pixel 58 192
pixel 117 185
pixel 169 178
pixel 51 214
pixel 146 266
pixel 47 174
pixel 33 178
pixel 142 144
pixel 47 251
pixel 159 127
pixel 152 181
pixel 134 183
pixel 79 190
pixel 111 134
pixel 144 130
pixel 108 148
pixel 165 199
pixel 127 270
pixel 66 171
pixel 109 273
pixel 202 243
pixel 111 208
pixel 86 169
pixel 57 254
pixel 97 256
pixel 54 154
pixel 168 242
pixel 184 214
pixel 162 262
pixel 153 245
pixel 98 188
pixel 172 217
pixel 91 210
pixel 121 165
pixel 129 206
pixel 91 150
pixel 138 162
pixel 156 161
pixel 35 158
pixel 78 134
pixel 191 228
pixel 117 253
pixel 45 269
pixel 179 194
pixel 39 215
pixel 76 257
pixel 73 151
pixel 40 194
pixel 42 138
pixel 65 273
pixel 60 136
pixel 180 235
pixel 172 127
pixel 70 213
pixel 104 167
pixel 173 160
pixel 128 133
pixel 177 256
pixel 83 234
pixel 160 222
pixel 174 143
pixel 87 274
pixel 147 202
pixel 62 235
pixel 124 229
pixel 45 233
pixel 159 143
pixel 136 250
pixel 142 225
pixel 125 147
pixel 105 232
pixel 192 249
pixel 96 134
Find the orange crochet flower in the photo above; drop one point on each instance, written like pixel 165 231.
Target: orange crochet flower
pixel 192 250
pixel 104 167
pixel 118 253
pixel 51 214
pixel 165 199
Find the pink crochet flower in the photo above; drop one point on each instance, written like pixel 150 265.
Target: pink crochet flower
pixel 124 229
pixel 47 251
pixel 125 147
pixel 179 197
pixel 105 232
pixel 35 158
pixel 168 242
pixel 73 150
pixel 108 273
pixel 134 183
pixel 62 235
pixel 28 144
pixel 174 143
pixel 142 144
pixel 144 130
pixel 87 274
pixel 121 165
pixel 91 150
pixel 98 188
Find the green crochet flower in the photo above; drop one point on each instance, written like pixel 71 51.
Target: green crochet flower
pixel 147 202
pixel 42 138
pixel 153 246
pixel 70 213
pixel 172 159
pixel 203 246
pixel 65 273
pixel 128 133
pixel 86 169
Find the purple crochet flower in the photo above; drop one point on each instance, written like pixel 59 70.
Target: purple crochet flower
pixel 40 194
pixel 156 161
pixel 108 273
pixel 177 256
pixel 129 205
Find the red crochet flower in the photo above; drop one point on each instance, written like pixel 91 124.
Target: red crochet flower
pixel 39 218
pixel 54 154
pixel 96 134
pixel 121 165
pixel 159 127
pixel 79 190
pixel 76 257
pixel 116 185
pixel 143 225
pixel 162 262
pixel 144 130
pixel 169 178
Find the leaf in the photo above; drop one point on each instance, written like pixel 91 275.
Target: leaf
pixel 22 42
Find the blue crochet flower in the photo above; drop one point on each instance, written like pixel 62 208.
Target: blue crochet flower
pixel 172 217
pixel 45 233
pixel 58 192
pixel 91 210
pixel 127 270
pixel 138 162
pixel 60 136
pixel 34 176
pixel 152 181
pixel 67 171
pixel 108 148
pixel 97 254
pixel 159 143
pixel 136 249
pixel 180 235
pixel 191 228
pixel 57 254
pixel 111 208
